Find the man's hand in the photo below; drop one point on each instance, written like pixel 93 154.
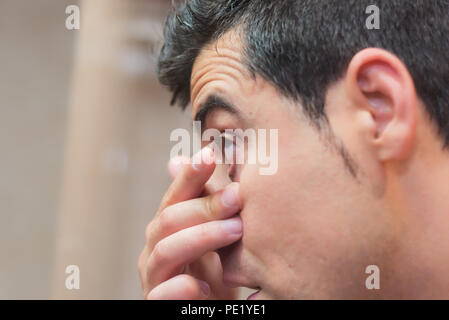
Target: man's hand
pixel 178 261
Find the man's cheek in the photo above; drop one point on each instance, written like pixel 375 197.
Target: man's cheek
pixel 261 204
pixel 255 191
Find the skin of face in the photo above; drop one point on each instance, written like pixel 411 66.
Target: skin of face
pixel 312 228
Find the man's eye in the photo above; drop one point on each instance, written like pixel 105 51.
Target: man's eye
pixel 228 150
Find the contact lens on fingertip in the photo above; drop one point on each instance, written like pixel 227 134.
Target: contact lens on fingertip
pixel 206 155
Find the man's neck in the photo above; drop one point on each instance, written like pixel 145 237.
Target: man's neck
pixel 420 201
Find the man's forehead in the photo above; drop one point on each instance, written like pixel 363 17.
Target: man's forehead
pixel 230 40
pixel 227 46
pixel 222 53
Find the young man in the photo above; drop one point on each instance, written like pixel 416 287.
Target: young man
pixel 363 165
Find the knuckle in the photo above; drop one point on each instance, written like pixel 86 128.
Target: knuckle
pixel 141 262
pixel 159 254
pixel 204 232
pixel 149 231
pixel 167 197
pixel 165 220
pixel 207 208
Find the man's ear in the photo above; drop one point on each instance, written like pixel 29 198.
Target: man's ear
pixel 379 83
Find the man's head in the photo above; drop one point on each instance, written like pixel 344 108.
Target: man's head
pixel 361 114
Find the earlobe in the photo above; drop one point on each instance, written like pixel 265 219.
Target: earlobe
pixel 377 82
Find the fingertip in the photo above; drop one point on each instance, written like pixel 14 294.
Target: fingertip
pixel 205 156
pixel 176 164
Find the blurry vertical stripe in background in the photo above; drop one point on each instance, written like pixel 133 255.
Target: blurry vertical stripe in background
pixel 84 137
pixel 84 132
pixel 112 177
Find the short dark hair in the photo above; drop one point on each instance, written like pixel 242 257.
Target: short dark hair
pixel 303 46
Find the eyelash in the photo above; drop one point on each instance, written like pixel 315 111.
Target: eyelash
pixel 232 165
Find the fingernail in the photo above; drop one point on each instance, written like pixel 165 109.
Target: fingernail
pixel 230 196
pixel 233 226
pixel 204 156
pixel 205 289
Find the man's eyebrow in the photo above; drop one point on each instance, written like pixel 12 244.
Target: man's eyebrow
pixel 213 103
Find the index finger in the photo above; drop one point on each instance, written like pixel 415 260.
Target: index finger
pixel 189 183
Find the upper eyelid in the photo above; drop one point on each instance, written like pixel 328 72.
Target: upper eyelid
pixel 212 104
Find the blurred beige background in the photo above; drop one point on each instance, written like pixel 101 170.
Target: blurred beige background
pixel 85 139
pixel 84 136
